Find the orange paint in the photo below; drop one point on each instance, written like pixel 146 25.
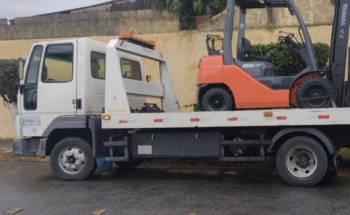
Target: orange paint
pixel 210 70
pixel 250 93
pixel 295 86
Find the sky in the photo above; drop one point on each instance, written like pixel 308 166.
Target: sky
pixel 11 9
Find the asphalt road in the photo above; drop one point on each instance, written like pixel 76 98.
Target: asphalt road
pixel 241 190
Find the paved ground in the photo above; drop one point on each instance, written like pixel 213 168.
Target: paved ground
pixel 178 190
pixel 153 191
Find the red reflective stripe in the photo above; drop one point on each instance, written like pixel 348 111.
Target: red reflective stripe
pixel 281 118
pixel 194 119
pixel 158 120
pixel 323 116
pixel 123 121
pixel 232 119
pixel 121 43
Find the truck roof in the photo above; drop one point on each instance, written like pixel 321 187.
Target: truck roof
pixel 84 39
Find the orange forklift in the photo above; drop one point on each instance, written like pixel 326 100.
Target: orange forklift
pixel 252 82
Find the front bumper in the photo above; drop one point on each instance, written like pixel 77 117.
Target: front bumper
pixel 29 147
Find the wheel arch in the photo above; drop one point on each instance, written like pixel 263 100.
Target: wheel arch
pixel 314 133
pixel 86 127
pixel 59 134
pixel 202 89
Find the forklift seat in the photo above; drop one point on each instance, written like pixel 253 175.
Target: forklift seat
pixel 245 53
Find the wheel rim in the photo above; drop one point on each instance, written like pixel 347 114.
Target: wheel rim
pixel 313 93
pixel 72 160
pixel 301 162
pixel 217 102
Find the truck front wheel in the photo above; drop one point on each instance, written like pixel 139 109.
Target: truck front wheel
pixel 71 159
pixel 302 161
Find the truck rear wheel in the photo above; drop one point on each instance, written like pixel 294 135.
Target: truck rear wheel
pixel 71 159
pixel 217 99
pixel 302 161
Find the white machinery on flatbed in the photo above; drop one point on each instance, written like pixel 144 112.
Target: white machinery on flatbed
pixel 69 112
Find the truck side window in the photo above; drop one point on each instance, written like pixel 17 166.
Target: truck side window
pixel 58 65
pixel 34 64
pixel 131 69
pixel 98 65
pixel 30 85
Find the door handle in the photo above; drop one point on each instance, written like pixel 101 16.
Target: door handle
pixel 77 103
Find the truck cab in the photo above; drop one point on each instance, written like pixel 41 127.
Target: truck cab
pixel 66 79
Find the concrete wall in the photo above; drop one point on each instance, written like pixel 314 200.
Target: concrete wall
pixel 182 49
pixel 7 128
pixel 90 24
pixel 314 13
pixel 3 21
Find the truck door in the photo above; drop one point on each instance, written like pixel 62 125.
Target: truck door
pixel 49 88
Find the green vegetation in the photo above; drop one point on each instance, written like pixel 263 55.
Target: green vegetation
pixel 9 80
pixel 284 58
pixel 190 7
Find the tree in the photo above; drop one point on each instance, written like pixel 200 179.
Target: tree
pixel 9 82
pixel 189 7
pixel 198 6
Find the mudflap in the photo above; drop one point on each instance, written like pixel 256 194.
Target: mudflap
pixel 335 161
pixel 103 165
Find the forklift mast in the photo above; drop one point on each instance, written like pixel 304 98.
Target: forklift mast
pixel 338 51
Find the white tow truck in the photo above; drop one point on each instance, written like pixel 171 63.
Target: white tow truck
pixel 84 104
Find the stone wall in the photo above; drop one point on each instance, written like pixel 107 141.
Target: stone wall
pixel 90 24
pixel 3 21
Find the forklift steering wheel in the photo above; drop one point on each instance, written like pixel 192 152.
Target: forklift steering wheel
pixel 288 40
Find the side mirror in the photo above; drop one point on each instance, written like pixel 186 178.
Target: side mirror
pixel 332 2
pixel 20 68
pixel 148 78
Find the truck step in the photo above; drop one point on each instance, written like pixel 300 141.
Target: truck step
pixel 243 159
pixel 115 159
pixel 245 142
pixel 115 143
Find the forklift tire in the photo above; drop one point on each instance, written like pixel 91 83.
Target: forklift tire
pixel 71 159
pixel 217 99
pixel 302 161
pixel 312 88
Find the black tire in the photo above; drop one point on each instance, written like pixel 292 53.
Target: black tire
pixel 217 99
pixel 71 159
pixel 316 87
pixel 302 161
pixel 131 164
